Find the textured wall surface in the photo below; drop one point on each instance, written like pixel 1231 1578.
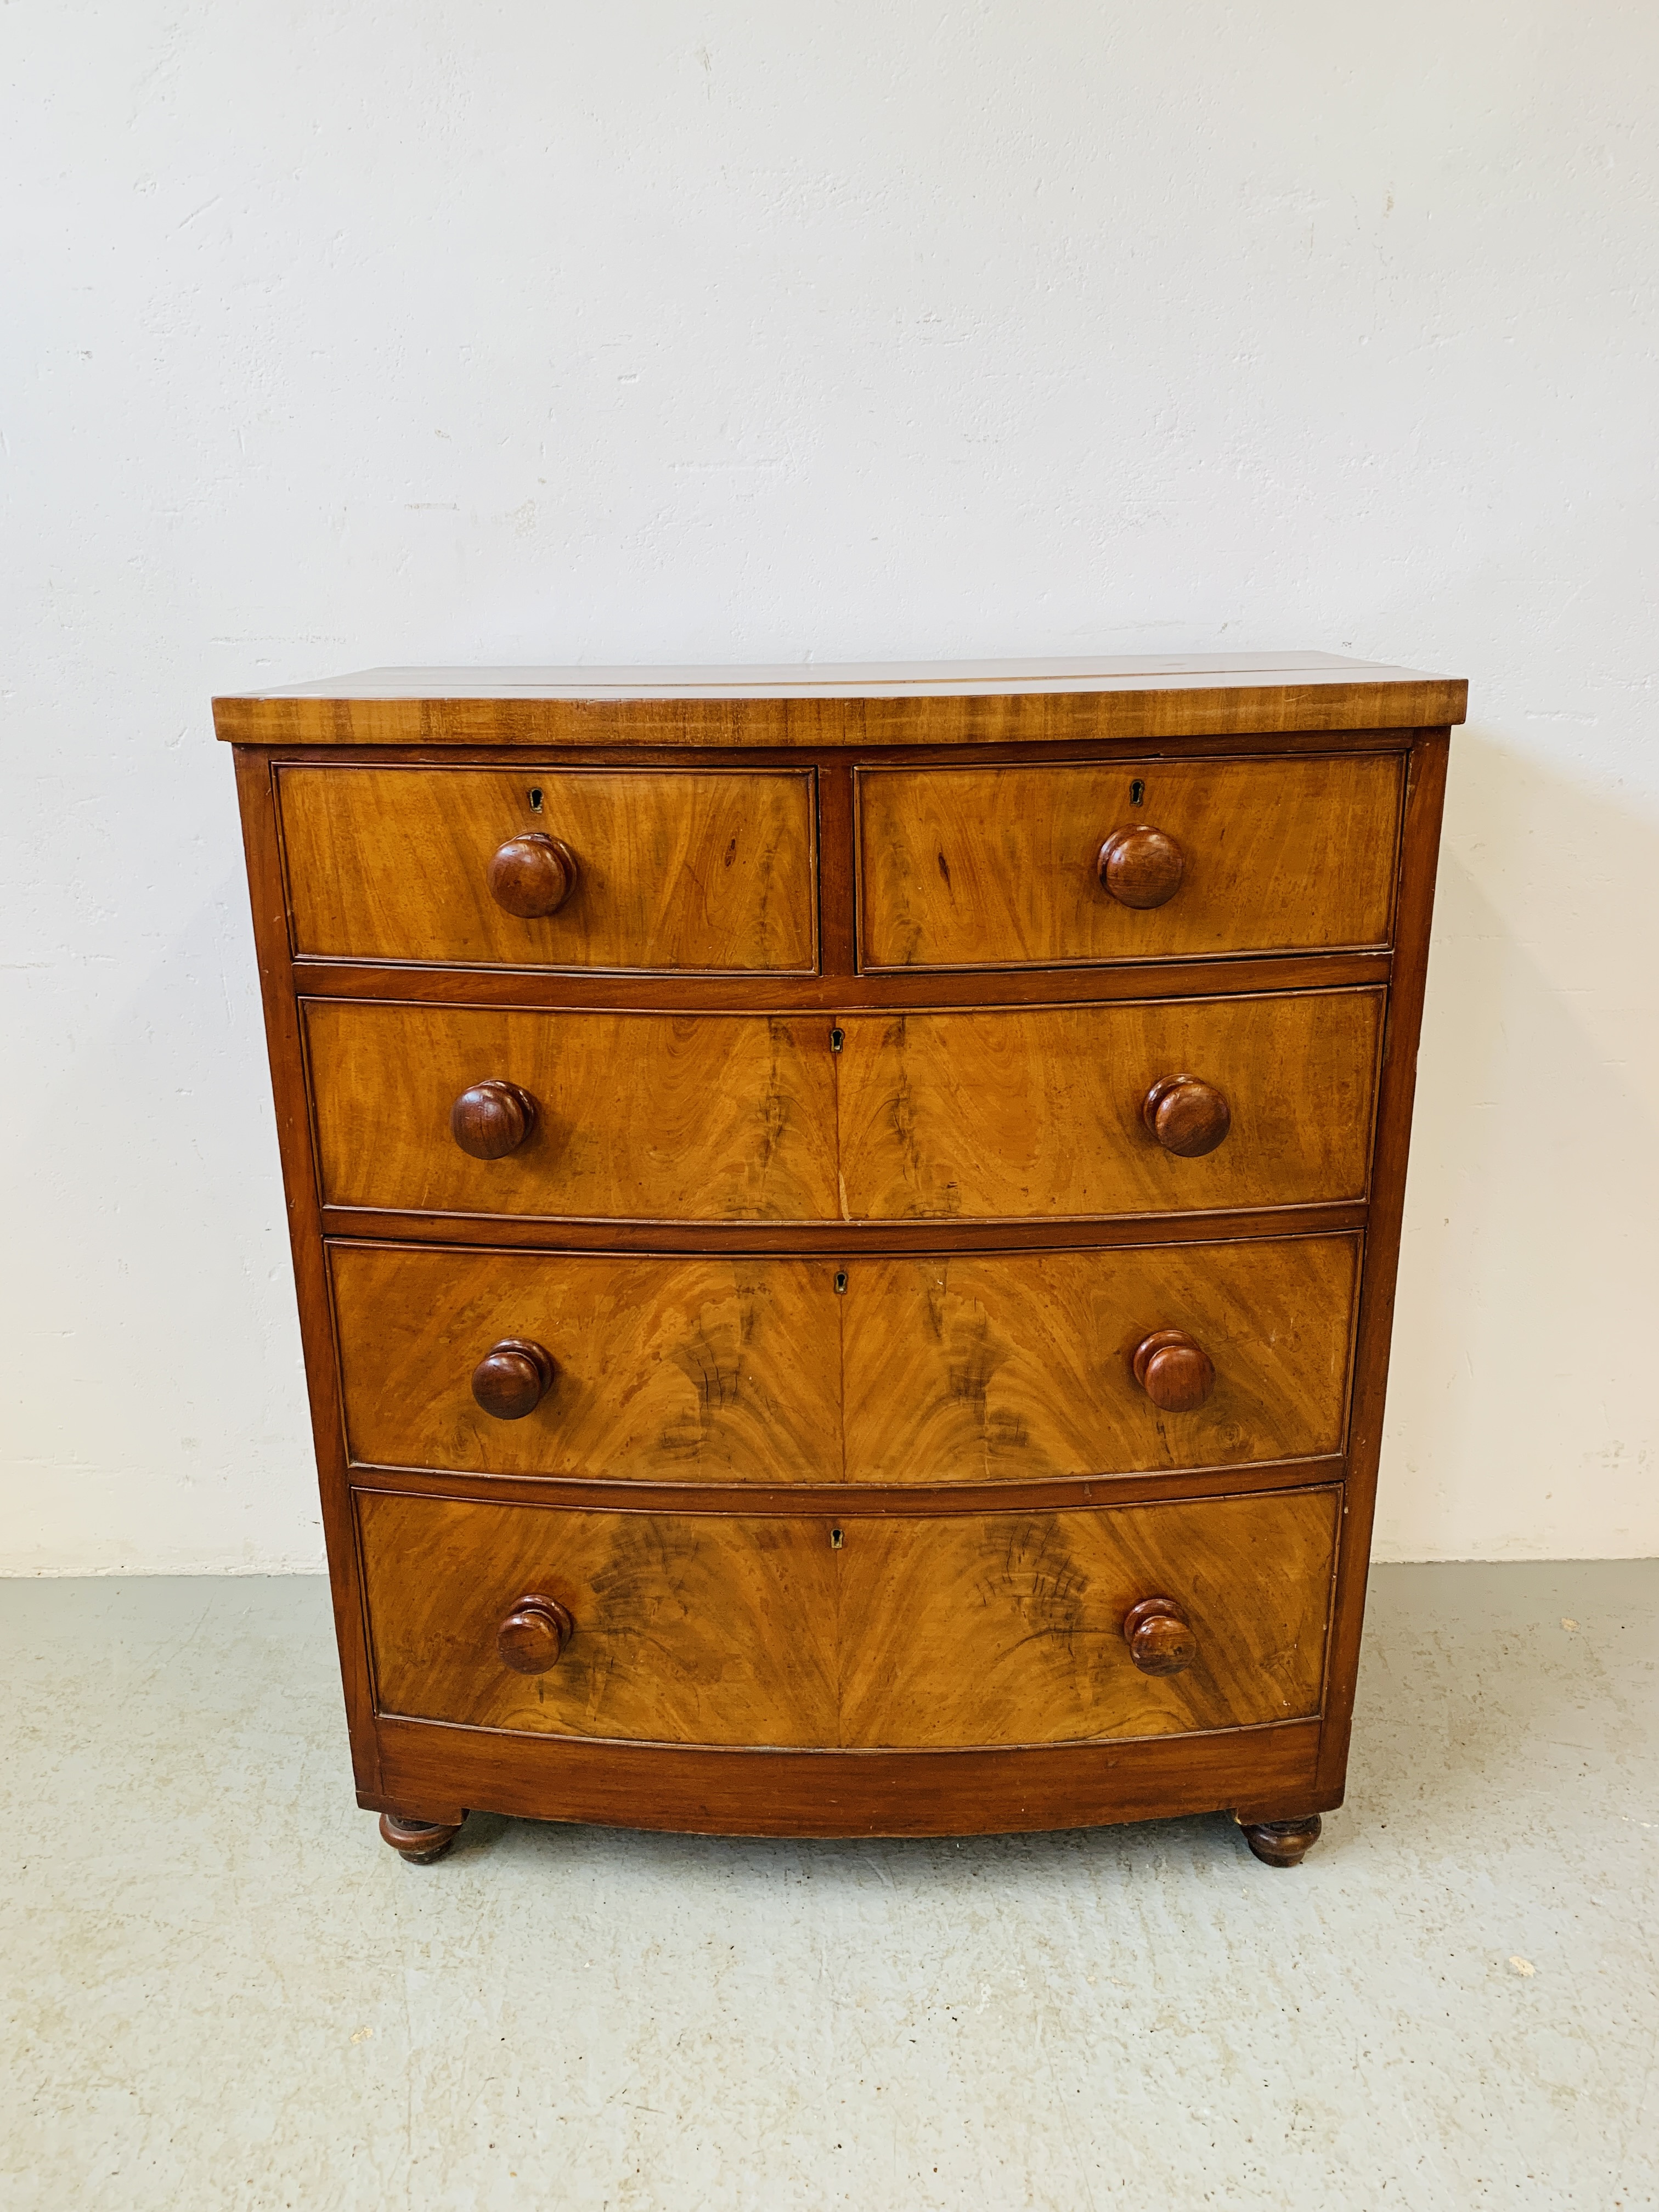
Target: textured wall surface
pixel 339 335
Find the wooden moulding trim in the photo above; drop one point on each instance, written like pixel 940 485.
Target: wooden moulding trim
pixel 1101 991
pixel 1172 1231
pixel 837 989
pixel 855 1500
pixel 854 1240
pixel 428 1765
pixel 735 765
pixel 1263 744
pixel 933 719
pixel 878 972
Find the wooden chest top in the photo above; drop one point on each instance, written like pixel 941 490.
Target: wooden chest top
pixel 809 704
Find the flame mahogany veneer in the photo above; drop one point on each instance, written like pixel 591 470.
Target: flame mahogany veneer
pixel 845 1224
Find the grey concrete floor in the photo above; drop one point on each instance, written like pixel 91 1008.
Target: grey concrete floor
pixel 220 1990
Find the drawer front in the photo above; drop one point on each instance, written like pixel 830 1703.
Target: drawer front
pixel 986 1367
pixel 998 867
pixel 707 871
pixel 661 1369
pixel 1002 1367
pixel 708 1117
pixel 1040 1113
pixel 956 1631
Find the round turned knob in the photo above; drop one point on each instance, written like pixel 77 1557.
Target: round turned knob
pixel 1141 867
pixel 531 876
pixel 531 1636
pixel 1174 1370
pixel 1160 1635
pixel 492 1119
pixel 513 1378
pixel 1189 1117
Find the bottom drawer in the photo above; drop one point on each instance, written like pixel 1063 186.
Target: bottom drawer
pixel 920 1632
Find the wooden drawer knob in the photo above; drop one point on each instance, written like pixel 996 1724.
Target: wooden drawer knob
pixel 533 1634
pixel 1174 1370
pixel 1189 1117
pixel 532 876
pixel 1160 1635
pixel 513 1378
pixel 1141 867
pixel 492 1119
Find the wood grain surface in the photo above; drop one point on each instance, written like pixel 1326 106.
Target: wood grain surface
pixel 1036 1112
pixel 647 1117
pixel 940 704
pixel 675 869
pixel 1009 1629
pixel 955 1631
pixel 953 1368
pixel 838 988
pixel 257 803
pixel 687 1628
pixel 1005 1366
pixel 439 1768
pixel 666 1370
pixel 679 1129
pixel 997 867
pixel 1419 855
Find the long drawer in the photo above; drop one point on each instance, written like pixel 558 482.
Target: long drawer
pixel 646 869
pixel 1156 859
pixel 1021 1112
pixel 943 1368
pixel 960 1630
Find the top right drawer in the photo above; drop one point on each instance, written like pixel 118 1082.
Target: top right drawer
pixel 1090 862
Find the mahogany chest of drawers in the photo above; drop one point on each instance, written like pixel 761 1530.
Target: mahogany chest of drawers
pixel 846 1225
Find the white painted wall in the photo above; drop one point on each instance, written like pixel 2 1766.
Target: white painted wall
pixel 355 333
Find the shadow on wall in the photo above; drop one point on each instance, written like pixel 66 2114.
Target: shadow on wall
pixel 1520 1421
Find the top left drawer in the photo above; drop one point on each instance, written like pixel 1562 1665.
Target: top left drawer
pixel 711 871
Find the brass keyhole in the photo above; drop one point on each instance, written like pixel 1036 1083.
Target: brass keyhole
pixel 535 801
pixel 1136 791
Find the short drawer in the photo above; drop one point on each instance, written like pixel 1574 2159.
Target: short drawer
pixel 1002 867
pixel 938 1369
pixel 700 1117
pixel 711 871
pixel 940 1631
pixel 1072 1112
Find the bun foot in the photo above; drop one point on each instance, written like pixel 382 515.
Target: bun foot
pixel 1282 1843
pixel 420 1842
